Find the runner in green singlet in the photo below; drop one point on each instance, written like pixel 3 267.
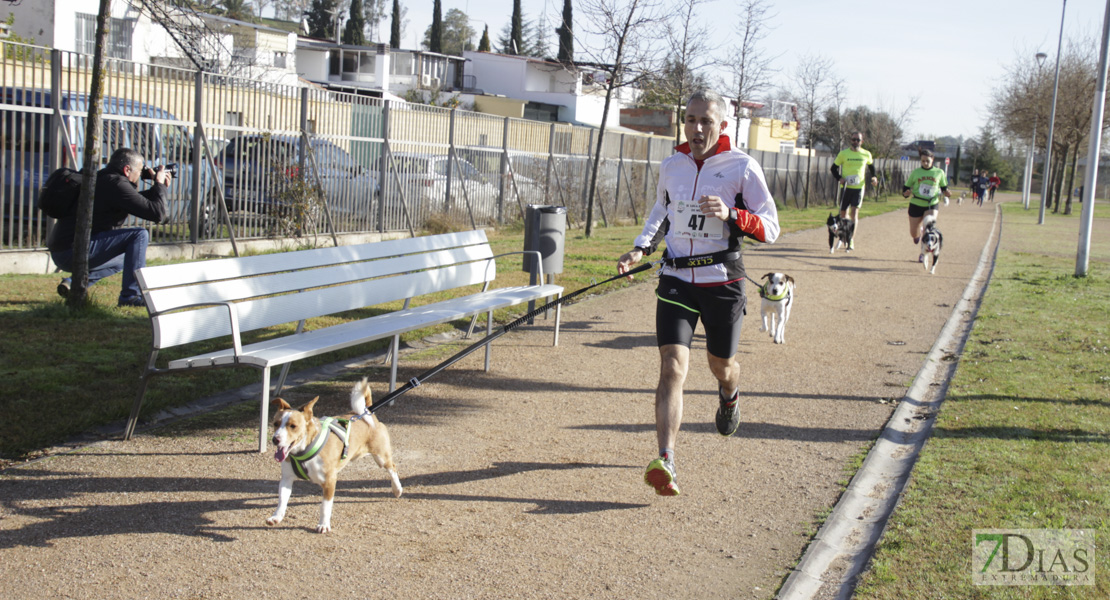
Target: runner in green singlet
pixel 924 187
pixel 848 169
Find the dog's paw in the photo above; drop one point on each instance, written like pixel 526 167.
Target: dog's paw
pixel 273 521
pixel 323 528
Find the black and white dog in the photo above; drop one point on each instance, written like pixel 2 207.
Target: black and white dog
pixel 931 242
pixel 777 298
pixel 840 232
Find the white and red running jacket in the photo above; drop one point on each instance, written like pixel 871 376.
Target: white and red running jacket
pixel 729 174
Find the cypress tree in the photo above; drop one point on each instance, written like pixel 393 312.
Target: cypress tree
pixel 566 34
pixel 353 33
pixel 483 44
pixel 435 44
pixel 395 27
pixel 516 33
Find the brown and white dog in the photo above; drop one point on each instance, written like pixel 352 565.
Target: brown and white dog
pixel 777 298
pixel 315 450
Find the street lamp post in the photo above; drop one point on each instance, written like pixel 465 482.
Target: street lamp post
pixel 1052 120
pixel 1027 186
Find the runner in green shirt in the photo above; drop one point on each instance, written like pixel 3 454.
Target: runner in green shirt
pixel 848 169
pixel 924 188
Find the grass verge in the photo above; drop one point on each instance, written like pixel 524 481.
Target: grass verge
pixel 1023 436
pixel 82 368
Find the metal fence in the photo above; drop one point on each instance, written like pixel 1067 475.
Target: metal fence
pixel 263 159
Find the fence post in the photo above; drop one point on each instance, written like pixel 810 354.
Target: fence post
pixel 198 162
pixel 56 130
pixel 550 164
pixel 304 131
pixel 586 176
pixel 620 171
pixel 383 167
pixel 504 170
pixel 450 161
pixel 647 176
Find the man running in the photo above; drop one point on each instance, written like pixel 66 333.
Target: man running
pixel 709 197
pixel 848 169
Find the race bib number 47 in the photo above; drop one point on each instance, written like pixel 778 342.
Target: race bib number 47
pixel 691 223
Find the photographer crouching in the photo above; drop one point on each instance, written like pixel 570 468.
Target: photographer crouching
pixel 113 249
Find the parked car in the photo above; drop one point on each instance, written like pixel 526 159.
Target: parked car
pixel 258 170
pixel 28 149
pixel 423 180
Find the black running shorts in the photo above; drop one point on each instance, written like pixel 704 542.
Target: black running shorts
pixel 721 309
pixel 919 211
pixel 851 197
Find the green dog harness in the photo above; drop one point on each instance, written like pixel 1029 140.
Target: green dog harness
pixel 340 427
pixel 782 296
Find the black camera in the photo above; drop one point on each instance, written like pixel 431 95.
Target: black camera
pixel 171 168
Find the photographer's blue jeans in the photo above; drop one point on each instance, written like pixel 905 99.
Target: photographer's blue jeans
pixel 109 253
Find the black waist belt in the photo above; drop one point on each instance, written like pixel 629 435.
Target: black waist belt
pixel 702 260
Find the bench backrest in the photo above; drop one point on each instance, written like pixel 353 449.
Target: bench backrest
pixel 273 289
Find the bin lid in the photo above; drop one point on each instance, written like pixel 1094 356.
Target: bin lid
pixel 552 209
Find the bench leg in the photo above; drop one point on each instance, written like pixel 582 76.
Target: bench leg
pixel 558 315
pixel 263 426
pixel 394 350
pixel 134 418
pixel 489 332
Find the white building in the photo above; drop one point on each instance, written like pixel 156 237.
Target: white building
pixel 70 25
pixel 378 67
pixel 552 91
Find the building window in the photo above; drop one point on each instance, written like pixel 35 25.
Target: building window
pixel 786 147
pixel 279 59
pixel 119 36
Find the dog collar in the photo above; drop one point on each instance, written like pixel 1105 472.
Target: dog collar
pixel 340 427
pixel 782 296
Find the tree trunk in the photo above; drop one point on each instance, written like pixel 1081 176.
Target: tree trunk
pixel 79 286
pixel 1058 179
pixel 597 153
pixel 1071 177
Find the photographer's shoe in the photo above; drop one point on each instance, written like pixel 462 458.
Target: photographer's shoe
pixel 132 301
pixel 728 414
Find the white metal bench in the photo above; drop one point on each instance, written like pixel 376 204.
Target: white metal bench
pixel 192 302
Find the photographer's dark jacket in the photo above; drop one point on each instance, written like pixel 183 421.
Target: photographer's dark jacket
pixel 115 199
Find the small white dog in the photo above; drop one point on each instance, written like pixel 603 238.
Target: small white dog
pixel 777 297
pixel 316 450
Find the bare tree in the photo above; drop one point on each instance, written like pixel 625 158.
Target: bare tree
pixel 689 53
pixel 627 30
pixel 811 93
pixel 1022 100
pixel 79 291
pixel 750 68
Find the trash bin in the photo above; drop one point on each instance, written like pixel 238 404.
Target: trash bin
pixel 545 230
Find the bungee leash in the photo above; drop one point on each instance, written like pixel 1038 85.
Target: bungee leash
pixel 416 381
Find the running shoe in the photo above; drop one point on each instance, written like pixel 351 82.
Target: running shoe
pixel 660 475
pixel 920 258
pixel 728 415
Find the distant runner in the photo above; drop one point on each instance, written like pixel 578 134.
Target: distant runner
pixel 848 169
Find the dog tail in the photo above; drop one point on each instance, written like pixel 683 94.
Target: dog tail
pixel 360 396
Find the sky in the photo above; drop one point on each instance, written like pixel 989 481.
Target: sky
pixel 950 54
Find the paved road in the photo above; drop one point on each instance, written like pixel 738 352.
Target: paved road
pixel 525 482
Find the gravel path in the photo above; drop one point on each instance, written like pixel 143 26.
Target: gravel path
pixel 525 482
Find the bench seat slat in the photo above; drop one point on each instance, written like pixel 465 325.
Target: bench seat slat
pixel 291 348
